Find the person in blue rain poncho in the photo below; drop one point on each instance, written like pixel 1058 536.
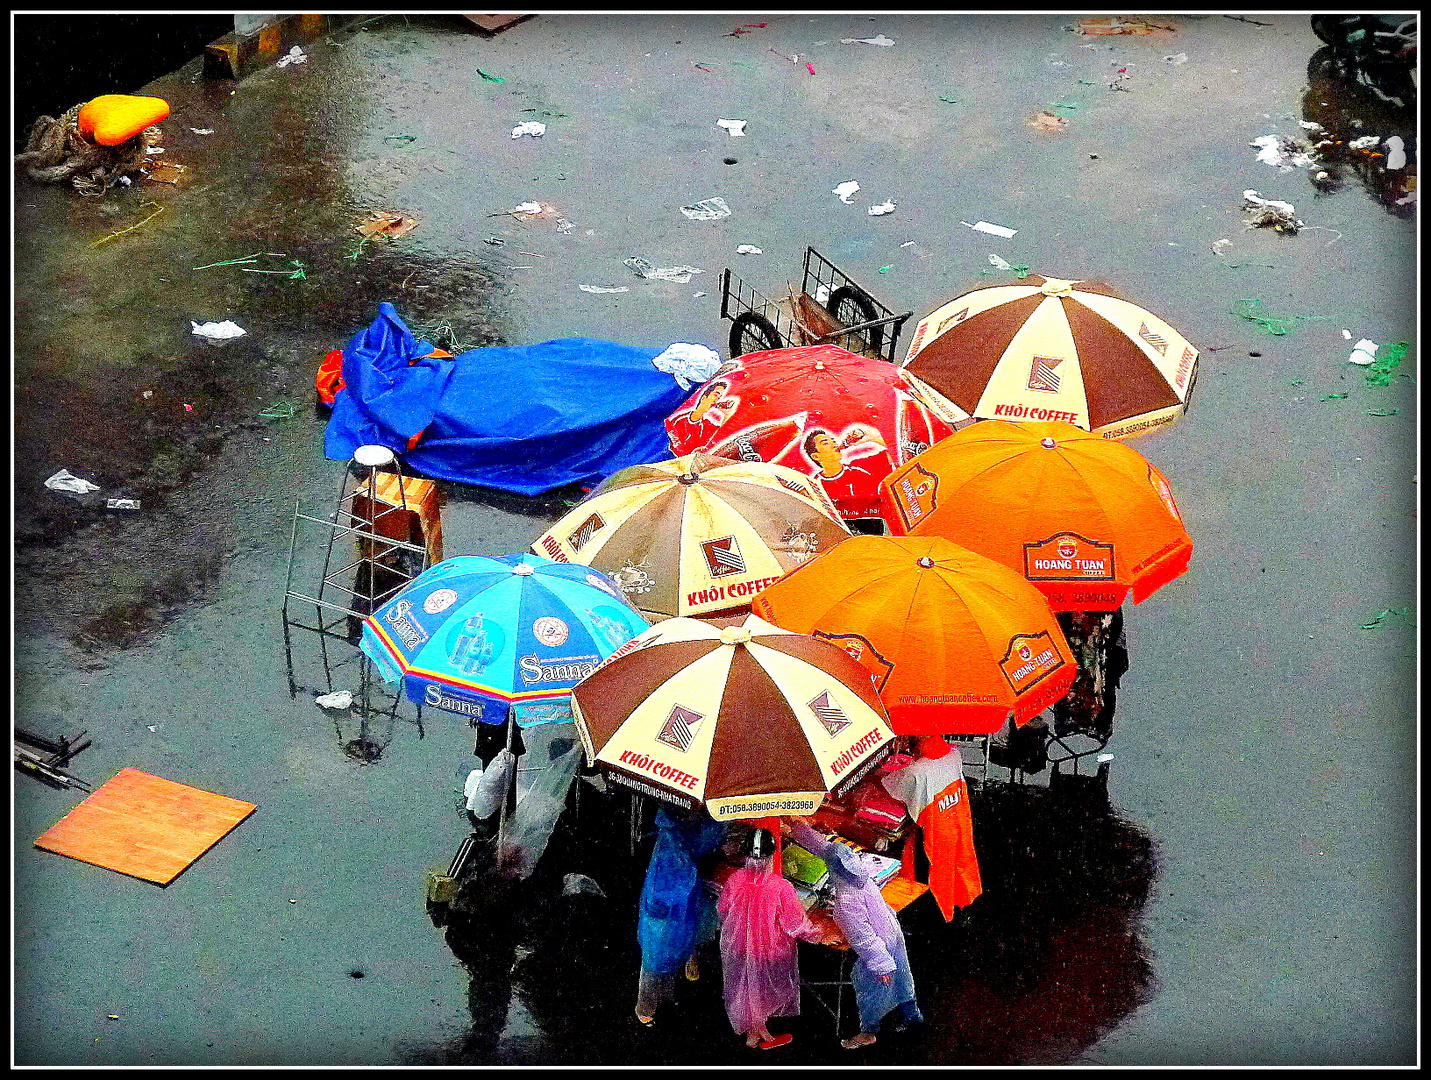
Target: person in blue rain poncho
pixel 882 978
pixel 675 913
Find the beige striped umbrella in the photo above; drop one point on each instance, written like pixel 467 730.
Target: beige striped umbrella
pixel 1052 349
pixel 698 534
pixel 737 715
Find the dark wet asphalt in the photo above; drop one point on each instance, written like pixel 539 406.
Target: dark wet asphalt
pixel 1248 898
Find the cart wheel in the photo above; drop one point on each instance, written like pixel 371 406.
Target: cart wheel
pixel 753 333
pixel 851 306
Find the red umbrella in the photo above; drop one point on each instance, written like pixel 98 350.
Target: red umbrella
pixel 842 419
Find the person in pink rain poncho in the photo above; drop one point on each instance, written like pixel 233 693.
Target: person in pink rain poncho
pixel 761 918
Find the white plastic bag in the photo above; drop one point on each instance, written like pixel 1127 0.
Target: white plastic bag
pixel 712 209
pixel 217 331
pixel 677 274
pixel 486 796
pixel 690 364
pixel 544 775
pixel 70 484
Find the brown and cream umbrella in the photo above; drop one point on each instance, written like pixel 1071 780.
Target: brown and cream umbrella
pixel 1053 349
pixel 697 534
pixel 742 717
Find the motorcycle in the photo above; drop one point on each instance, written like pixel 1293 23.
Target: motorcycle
pixel 1377 52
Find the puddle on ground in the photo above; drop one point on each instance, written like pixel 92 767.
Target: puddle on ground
pixel 146 409
pixel 1352 101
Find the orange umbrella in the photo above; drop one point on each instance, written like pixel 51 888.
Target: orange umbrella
pixel 954 642
pixel 1084 518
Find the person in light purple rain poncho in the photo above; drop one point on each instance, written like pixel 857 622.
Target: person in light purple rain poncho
pixel 882 979
pixel 760 919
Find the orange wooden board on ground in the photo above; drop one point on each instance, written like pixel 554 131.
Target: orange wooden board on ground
pixel 144 826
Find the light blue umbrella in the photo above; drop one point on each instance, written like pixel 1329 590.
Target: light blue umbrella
pixel 487 635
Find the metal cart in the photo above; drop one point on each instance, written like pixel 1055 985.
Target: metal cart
pixel 377 507
pixel 831 308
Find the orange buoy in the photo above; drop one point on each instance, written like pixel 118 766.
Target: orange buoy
pixel 111 119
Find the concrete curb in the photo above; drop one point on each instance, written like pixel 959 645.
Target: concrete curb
pixel 235 55
pixel 494 24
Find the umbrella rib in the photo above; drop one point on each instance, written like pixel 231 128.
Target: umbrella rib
pixel 930 662
pixel 868 584
pixel 904 624
pixel 1107 521
pixel 959 597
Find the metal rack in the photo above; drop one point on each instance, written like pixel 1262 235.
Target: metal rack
pixel 48 759
pixel 352 583
pixel 840 984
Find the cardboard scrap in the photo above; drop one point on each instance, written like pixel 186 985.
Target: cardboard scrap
pixel 535 211
pixel 386 223
pixel 164 172
pixel 1106 26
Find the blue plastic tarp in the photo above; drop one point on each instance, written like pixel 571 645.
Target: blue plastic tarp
pixel 524 418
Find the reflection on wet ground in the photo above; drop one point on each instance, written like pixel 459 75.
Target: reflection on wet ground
pixel 1353 101
pixel 1034 972
pixel 1052 956
pixel 145 407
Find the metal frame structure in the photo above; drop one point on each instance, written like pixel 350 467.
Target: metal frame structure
pixel 340 607
pixel 982 763
pixel 48 759
pixel 1076 756
pixel 842 983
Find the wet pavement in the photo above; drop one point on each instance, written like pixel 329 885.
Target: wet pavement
pixel 1246 896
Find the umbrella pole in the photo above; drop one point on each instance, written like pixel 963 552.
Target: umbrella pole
pixel 511 784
